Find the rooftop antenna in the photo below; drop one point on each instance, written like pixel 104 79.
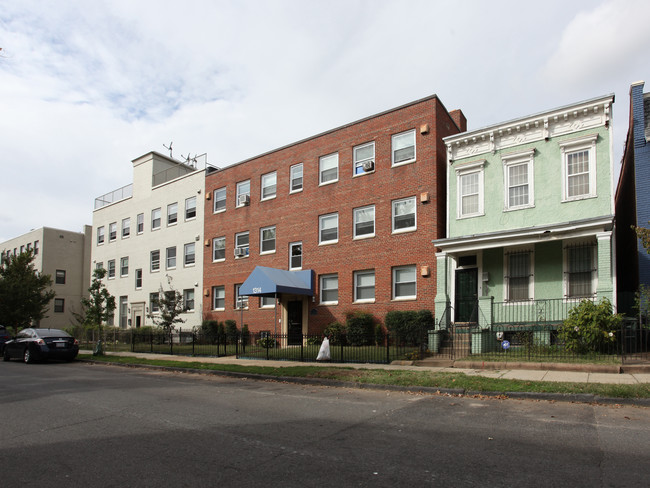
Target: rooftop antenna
pixel 169 148
pixel 189 160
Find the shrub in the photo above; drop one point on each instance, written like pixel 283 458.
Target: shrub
pixel 231 331
pixel 245 335
pixel 590 327
pixel 336 333
pixel 210 330
pixel 380 335
pixel 409 327
pixel 267 342
pixel 360 328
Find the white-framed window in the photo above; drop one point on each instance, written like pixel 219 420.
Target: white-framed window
pixel 59 305
pixel 219 249
pixel 404 283
pixel 188 300
pixel 328 228
pixel 111 269
pixel 518 172
pixel 140 223
pixel 124 266
pixel 99 265
pixel 242 242
pixel 126 227
pixel 240 301
pixel 155 218
pixel 154 302
pixel 296 178
pixel 170 257
pixel 220 200
pixel 518 275
pixel 100 235
pixel 190 208
pixel 243 193
pixel 364 286
pixel 404 215
pixel 329 289
pixel 59 277
pixel 172 213
pixel 403 147
pixel 364 158
pixel 36 247
pixel 218 298
pixel 295 255
pixel 469 187
pixel 189 256
pixel 155 260
pixel 328 169
pixel 267 240
pixel 580 270
pixel 364 221
pixel 138 278
pixel 112 232
pixel 267 302
pixel 269 185
pixel 579 168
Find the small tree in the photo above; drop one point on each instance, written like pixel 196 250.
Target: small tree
pixel 99 307
pixel 170 306
pixel 360 328
pixel 24 293
pixel 590 327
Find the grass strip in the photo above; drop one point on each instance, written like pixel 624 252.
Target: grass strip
pixel 405 378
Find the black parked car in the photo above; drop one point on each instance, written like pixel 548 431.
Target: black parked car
pixel 4 337
pixel 39 344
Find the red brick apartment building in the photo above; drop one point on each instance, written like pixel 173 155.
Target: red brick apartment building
pixel 349 213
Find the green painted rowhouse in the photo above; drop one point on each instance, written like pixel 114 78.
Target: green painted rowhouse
pixel 530 218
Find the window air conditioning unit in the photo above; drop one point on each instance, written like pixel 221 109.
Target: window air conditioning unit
pixel 240 252
pixel 243 200
pixel 368 166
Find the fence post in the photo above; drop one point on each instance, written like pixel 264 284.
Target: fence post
pixel 302 356
pixel 387 347
pixel 151 340
pixel 132 340
pixel 193 339
pixel 342 338
pixel 171 342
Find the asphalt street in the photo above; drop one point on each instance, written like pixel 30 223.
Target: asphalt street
pixel 81 424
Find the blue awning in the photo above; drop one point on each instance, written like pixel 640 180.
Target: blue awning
pixel 271 282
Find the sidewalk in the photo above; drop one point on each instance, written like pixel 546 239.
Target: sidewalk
pixel 585 376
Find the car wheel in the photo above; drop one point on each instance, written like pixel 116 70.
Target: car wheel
pixel 28 357
pixel 5 356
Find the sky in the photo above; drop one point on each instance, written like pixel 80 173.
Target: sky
pixel 87 86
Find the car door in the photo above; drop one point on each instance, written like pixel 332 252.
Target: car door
pixel 17 345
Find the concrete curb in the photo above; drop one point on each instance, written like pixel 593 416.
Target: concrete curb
pixel 521 395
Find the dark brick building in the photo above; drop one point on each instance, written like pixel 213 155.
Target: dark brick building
pixel 358 206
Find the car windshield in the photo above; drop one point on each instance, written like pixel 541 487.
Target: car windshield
pixel 51 333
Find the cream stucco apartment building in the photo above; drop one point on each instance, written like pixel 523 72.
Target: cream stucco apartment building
pixel 65 256
pixel 148 235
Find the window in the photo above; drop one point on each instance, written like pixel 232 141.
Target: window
pixel 124 266
pixel 36 247
pixel 126 227
pixel 218 298
pixel 172 213
pixel 580 269
pixel 328 228
pixel 111 268
pixel 138 278
pixel 123 311
pixel 189 254
pixel 218 249
pixel 240 301
pixel 404 218
pixel 267 302
pixel 60 277
pixel 328 169
pixel 364 221
pixel 364 158
pixel 470 190
pixel 518 276
pixel 155 219
pixel 59 305
pixel 188 300
pixel 170 255
pixel 140 224
pixel 403 147
pixel 404 283
pixel 243 193
pixel 241 245
pixel 579 168
pixel 269 185
pixel 154 302
pixel 112 231
pixel 329 289
pixel 155 260
pixel 190 208
pixel 220 200
pixel 295 255
pixel 267 240
pixel 364 286
pixel 296 178
pixel 99 265
pixel 518 172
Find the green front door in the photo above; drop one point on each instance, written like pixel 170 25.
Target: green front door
pixel 466 295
